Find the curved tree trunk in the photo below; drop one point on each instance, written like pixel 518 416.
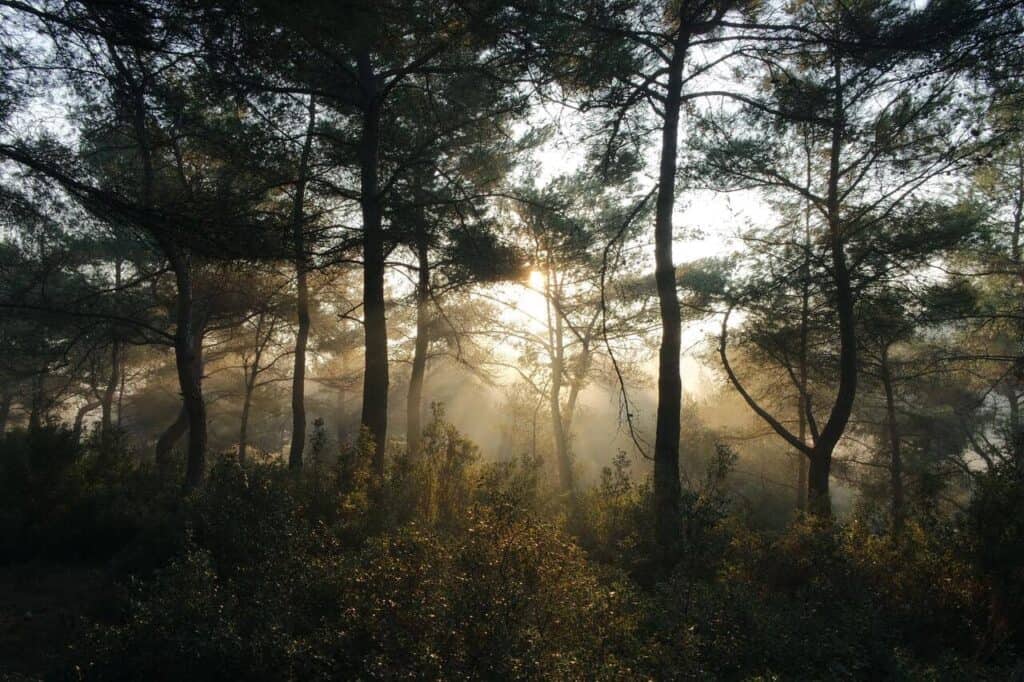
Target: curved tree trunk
pixel 375 376
pixel 670 387
pixel 188 354
pixel 188 337
pixel 79 423
pixel 169 438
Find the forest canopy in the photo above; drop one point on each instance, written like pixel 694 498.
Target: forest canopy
pixel 529 339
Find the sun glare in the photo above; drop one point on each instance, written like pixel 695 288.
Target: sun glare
pixel 537 280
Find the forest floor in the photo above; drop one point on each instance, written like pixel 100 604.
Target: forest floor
pixel 44 609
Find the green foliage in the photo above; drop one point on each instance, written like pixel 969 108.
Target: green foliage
pixel 261 593
pixel 65 500
pixel 459 569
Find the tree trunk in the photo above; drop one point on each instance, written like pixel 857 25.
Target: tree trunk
pixel 78 426
pixel 821 459
pixel 298 444
pixel 37 410
pixel 1017 436
pixel 556 343
pixel 817 485
pixel 188 355
pixel 5 412
pixel 804 401
pixel 375 376
pixel 895 455
pixel 342 411
pixel 414 403
pixel 114 380
pixel 188 339
pixel 169 438
pixel 801 474
pixel 243 429
pixel 120 399
pixel 107 401
pixel 670 388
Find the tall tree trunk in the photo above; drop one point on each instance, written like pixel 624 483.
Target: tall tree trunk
pixel 188 355
pixel 895 454
pixel 107 401
pixel 804 402
pixel 821 456
pixel 375 376
pixel 670 388
pixel 243 428
pixel 37 409
pixel 1017 435
pixel 120 400
pixel 414 402
pixel 342 412
pixel 5 412
pixel 114 379
pixel 801 472
pixel 818 486
pixel 298 444
pixel 556 343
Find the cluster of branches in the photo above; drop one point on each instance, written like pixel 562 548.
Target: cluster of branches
pixel 238 181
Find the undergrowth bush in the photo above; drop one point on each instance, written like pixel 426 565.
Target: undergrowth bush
pixel 455 568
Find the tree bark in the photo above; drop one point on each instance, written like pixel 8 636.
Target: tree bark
pixel 37 409
pixel 375 376
pixel 801 473
pixel 1017 436
pixel 818 486
pixel 821 457
pixel 169 438
pixel 666 445
pixel 414 402
pixel 188 354
pixel 298 443
pixel 114 379
pixel 187 337
pixel 107 402
pixel 895 454
pixel 78 426
pixel 556 345
pixel 5 412
pixel 804 402
pixel 243 428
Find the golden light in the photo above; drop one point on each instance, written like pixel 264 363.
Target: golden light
pixel 537 280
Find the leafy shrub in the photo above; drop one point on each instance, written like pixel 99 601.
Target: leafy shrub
pixel 261 595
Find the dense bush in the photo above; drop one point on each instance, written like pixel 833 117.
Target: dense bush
pixel 69 500
pixel 261 594
pixel 454 568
